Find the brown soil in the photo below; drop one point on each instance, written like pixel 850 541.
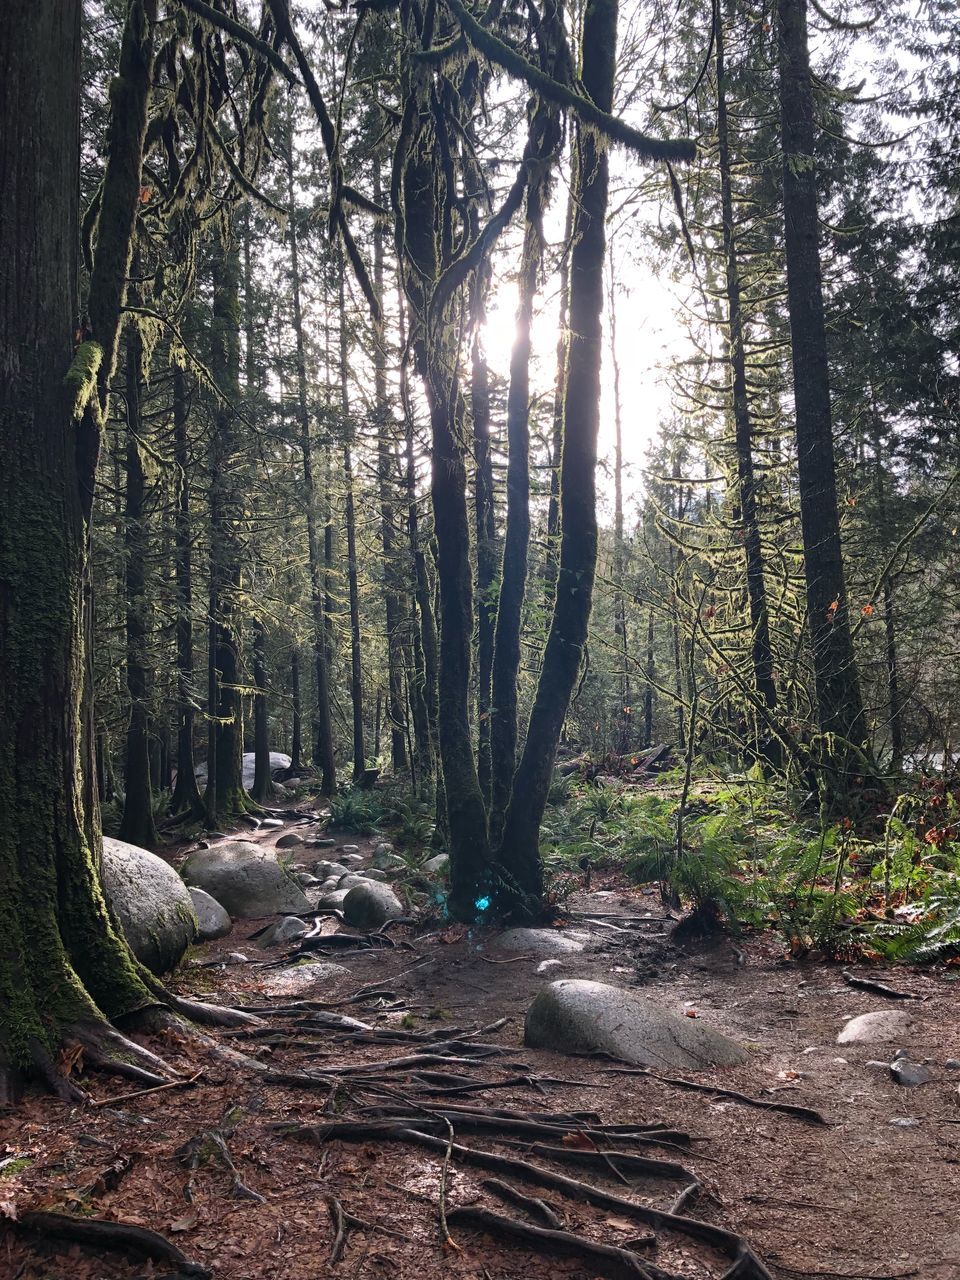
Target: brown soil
pixel 863 1197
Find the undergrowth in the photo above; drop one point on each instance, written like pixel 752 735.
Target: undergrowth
pixel 753 854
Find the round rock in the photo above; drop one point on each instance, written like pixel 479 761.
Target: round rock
pixel 539 942
pixel 369 905
pixel 151 902
pixel 212 920
pixel 437 865
pixel 576 1016
pixel 878 1027
pixel 290 841
pixel 246 879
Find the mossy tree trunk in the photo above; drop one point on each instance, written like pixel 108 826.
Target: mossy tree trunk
pixel 519 853
pixel 62 960
pixel 350 519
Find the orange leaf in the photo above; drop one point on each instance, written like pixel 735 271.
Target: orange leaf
pixel 579 1141
pixel 146 194
pixel 867 610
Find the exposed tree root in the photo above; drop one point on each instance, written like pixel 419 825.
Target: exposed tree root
pixel 535 1208
pixel 110 1050
pixel 787 1108
pixel 604 1259
pixel 120 1237
pixel 747 1265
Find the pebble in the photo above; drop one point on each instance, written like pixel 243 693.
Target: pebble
pixel 272 822
pixel 909 1074
pixel 351 848
pixel 952 1064
pixel 905 1122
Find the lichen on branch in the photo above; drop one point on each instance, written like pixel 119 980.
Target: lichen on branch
pixel 81 379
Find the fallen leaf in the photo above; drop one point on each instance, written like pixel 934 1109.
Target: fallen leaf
pixel 580 1141
pixel 186 1223
pixel 620 1224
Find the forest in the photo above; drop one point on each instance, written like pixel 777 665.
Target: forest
pixel 479 581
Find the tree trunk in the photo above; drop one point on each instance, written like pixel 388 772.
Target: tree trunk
pixel 226 519
pixel 323 740
pixel 62 961
pixel 262 781
pixel 353 586
pixel 761 651
pixel 392 586
pixel 136 825
pixel 519 853
pixel 486 538
pixel 648 691
pixel 624 715
pixel 839 705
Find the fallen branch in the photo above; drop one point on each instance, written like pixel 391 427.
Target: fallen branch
pixel 877 988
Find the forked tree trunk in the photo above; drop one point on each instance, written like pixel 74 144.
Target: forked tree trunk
pixel 839 705
pixel 519 855
pixel 62 960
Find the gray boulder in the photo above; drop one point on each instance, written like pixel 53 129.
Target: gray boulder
pixel 369 905
pixel 909 1074
pixel 878 1027
pixel 332 901
pixel 437 865
pixel 246 879
pixel 151 902
pixel 577 1016
pixel 212 920
pixel 326 870
pixel 539 942
pixel 289 929
pixel 348 880
pixel 352 859
pixel 290 841
pixel 374 873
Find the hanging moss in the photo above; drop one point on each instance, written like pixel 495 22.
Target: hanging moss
pixel 81 379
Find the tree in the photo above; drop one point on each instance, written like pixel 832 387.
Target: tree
pixel 65 966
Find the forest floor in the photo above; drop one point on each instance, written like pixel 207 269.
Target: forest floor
pixel 871 1195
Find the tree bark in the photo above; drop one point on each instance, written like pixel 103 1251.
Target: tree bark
pixel 353 585
pixel 761 650
pixel 323 739
pixel 137 824
pixel 839 705
pixel 62 959
pixel 519 854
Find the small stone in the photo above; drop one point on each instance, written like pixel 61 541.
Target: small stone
pixel 305 880
pixel 329 884
pixel 905 1122
pixel 352 859
pixel 290 841
pixel 300 977
pixel 900 1053
pixel 322 842
pixel 272 823
pixel 384 847
pixel 374 873
pixel 952 1064
pixel 544 965
pixel 876 1065
pixel 289 929
pixel 839 1062
pixel 436 865
pixel 351 848
pixel 909 1074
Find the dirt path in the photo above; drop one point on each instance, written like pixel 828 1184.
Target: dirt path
pixel 871 1195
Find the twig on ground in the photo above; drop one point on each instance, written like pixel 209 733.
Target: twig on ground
pixel 142 1093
